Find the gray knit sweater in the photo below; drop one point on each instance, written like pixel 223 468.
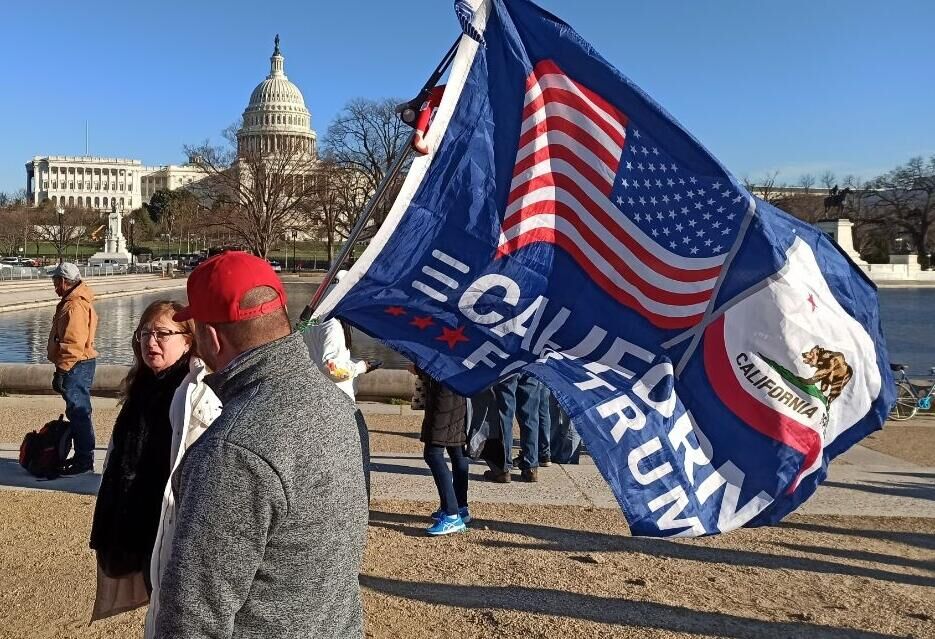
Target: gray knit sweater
pixel 272 510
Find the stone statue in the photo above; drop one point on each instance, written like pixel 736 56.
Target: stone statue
pixel 115 247
pixel 114 242
pixel 276 49
pixel 835 201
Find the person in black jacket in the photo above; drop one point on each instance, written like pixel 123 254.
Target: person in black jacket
pixel 444 427
pixel 129 501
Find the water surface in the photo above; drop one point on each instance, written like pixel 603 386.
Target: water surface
pixel 907 317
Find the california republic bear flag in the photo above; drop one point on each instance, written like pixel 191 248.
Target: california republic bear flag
pixel 714 352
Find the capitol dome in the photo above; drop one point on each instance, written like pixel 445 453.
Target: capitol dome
pixel 276 117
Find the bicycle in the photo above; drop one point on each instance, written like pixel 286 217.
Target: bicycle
pixel 910 397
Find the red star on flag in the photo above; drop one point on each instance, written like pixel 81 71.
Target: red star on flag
pixel 395 311
pixel 452 336
pixel 422 323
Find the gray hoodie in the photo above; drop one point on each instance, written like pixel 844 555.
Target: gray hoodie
pixel 272 509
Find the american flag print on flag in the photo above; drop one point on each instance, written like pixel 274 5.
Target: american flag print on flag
pixel 650 233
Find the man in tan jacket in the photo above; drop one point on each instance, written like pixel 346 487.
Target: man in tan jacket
pixel 71 349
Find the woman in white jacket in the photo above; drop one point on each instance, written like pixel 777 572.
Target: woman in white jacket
pixel 194 407
pixel 329 347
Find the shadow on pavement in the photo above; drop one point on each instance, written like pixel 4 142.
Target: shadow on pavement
pixel 895 489
pixel 12 475
pixel 397 469
pixel 582 541
pixel 394 432
pixel 606 610
pixel 861 555
pixel 920 540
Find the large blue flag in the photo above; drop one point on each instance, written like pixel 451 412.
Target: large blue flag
pixel 714 352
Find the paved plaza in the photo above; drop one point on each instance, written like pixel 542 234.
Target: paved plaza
pixel 862 482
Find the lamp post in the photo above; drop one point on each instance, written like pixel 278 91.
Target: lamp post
pixel 132 245
pixel 61 231
pixel 295 236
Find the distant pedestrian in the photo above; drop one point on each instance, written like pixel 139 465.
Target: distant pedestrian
pixel 270 501
pixel 444 428
pixel 71 349
pixel 519 396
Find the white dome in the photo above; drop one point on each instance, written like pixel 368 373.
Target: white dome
pixel 276 111
pixel 276 90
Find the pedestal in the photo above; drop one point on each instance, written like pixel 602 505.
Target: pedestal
pixel 841 231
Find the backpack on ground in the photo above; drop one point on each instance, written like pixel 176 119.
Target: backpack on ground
pixel 43 452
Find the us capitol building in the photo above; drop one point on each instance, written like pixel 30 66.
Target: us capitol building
pixel 275 117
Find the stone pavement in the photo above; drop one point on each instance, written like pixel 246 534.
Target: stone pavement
pixel 25 294
pixel 861 482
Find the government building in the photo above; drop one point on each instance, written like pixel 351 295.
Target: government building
pixel 275 118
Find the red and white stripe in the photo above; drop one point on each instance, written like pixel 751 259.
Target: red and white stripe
pixel 570 146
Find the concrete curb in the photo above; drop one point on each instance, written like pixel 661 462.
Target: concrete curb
pixel 37 378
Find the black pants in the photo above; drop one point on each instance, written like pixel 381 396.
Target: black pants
pixel 364 447
pixel 452 484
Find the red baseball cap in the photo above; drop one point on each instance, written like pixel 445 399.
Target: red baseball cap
pixel 217 286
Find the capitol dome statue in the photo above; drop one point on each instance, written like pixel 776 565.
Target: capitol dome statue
pixel 276 118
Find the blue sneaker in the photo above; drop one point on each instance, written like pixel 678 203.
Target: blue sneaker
pixel 447 525
pixel 465 514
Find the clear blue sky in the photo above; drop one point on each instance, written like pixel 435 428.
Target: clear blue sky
pixel 797 85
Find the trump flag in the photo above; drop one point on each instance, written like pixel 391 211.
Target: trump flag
pixel 714 352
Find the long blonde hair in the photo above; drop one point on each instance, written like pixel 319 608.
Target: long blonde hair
pixel 159 308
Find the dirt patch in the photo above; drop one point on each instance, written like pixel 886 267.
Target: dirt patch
pixel 541 572
pixel 395 433
pixel 907 441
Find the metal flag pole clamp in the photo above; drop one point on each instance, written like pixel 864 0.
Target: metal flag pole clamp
pixel 409 113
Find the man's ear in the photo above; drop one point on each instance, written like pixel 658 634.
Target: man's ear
pixel 214 339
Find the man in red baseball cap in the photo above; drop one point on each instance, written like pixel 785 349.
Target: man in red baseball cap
pixel 271 499
pixel 238 303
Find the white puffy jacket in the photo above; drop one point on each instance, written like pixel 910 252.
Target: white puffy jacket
pixel 326 344
pixel 194 407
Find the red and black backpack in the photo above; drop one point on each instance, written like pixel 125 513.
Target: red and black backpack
pixel 43 452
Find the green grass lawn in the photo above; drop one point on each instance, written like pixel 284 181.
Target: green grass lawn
pixel 304 251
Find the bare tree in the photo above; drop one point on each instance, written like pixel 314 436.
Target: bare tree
pixel 902 200
pixel 766 188
pixel 339 198
pixel 256 195
pixel 807 181
pixel 16 229
pixel 63 230
pixel 368 136
pixel 827 179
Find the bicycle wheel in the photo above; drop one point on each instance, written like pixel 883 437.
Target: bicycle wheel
pixel 906 405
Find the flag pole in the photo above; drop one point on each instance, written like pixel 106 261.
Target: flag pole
pixel 408 112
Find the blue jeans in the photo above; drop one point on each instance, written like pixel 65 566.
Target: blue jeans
pixel 452 484
pixel 75 388
pixel 524 402
pixel 565 442
pixel 505 394
pixel 545 422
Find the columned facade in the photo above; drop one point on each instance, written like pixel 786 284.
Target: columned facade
pixel 82 181
pixel 99 183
